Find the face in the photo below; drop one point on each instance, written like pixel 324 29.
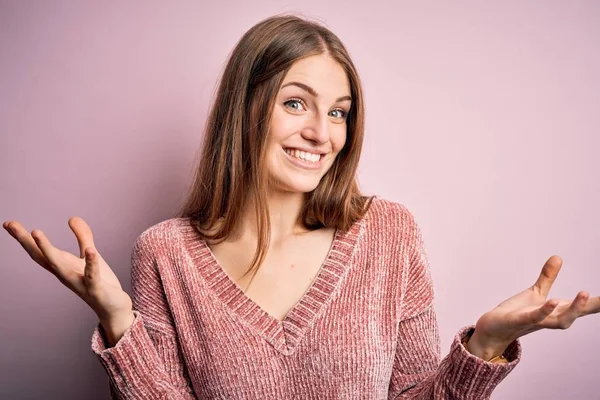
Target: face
pixel 308 127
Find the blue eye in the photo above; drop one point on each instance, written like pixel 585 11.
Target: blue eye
pixel 294 104
pixel 341 113
pixel 298 105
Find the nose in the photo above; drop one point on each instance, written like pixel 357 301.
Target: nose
pixel 317 129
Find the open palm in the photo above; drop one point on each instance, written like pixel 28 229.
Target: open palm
pixel 530 310
pixel 88 275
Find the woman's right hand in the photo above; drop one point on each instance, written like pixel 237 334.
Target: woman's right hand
pixel 88 275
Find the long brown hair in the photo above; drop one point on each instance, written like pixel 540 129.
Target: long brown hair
pixel 231 167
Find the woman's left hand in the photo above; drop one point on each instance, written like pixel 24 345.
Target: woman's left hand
pixel 528 312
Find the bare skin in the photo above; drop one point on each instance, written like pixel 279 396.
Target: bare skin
pixel 529 311
pixel 86 275
pixel 289 268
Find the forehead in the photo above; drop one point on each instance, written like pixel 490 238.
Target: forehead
pixel 322 73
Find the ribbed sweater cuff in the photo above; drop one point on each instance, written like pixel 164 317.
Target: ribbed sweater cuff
pixel 471 374
pixel 133 363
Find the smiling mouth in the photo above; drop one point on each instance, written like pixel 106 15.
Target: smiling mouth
pixel 304 156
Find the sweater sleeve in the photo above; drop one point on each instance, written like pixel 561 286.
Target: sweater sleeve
pixel 418 372
pixel 146 362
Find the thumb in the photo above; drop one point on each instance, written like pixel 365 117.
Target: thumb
pixel 92 268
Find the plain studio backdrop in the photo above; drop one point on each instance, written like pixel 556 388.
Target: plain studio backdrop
pixel 482 118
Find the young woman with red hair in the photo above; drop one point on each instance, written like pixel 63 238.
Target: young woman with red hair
pixel 279 279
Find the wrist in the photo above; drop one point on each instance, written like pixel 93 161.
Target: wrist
pixel 115 316
pixel 115 326
pixel 485 348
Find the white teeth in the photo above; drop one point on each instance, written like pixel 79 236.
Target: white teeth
pixel 314 158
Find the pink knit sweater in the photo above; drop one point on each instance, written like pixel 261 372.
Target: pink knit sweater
pixel 365 329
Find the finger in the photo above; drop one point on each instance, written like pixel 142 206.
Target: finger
pixel 538 315
pixel 548 275
pixel 577 306
pixel 592 306
pixel 50 252
pixel 28 243
pixel 92 270
pixel 83 233
pixel 5 226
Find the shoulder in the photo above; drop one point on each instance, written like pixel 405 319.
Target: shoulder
pixel 162 234
pixel 391 223
pixel 389 214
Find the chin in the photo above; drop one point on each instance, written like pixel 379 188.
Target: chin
pixel 298 185
pixel 297 188
pixel 289 179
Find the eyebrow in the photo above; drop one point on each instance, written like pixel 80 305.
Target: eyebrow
pixel 312 91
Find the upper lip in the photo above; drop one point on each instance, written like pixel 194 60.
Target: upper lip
pixel 312 151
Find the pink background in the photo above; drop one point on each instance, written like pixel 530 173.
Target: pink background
pixel 481 118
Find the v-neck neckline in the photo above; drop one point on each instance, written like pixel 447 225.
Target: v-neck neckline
pixel 284 335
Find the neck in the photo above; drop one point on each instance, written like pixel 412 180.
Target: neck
pixel 284 210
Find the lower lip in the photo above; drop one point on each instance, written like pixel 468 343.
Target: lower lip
pixel 304 164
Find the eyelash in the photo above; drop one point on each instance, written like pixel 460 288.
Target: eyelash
pixel 295 99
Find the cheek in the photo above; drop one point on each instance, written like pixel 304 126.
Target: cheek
pixel 281 125
pixel 338 139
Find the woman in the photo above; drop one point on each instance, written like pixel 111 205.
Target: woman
pixel 279 279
